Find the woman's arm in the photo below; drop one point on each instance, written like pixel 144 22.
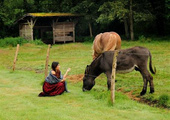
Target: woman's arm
pixel 65 75
pixel 66 72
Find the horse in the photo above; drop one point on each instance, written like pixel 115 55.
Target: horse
pixel 127 60
pixel 107 41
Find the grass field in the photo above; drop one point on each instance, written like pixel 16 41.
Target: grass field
pixel 19 90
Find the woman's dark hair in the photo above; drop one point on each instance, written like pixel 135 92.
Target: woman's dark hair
pixel 54 65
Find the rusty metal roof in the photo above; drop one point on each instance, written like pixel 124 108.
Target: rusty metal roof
pixel 51 14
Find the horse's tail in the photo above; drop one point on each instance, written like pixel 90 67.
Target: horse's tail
pixel 150 64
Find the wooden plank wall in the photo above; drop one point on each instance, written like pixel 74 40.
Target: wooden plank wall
pixel 63 31
pixel 25 31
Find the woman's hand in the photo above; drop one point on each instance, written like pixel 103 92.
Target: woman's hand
pixel 64 77
pixel 68 69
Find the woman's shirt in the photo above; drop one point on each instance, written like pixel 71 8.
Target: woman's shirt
pixel 54 78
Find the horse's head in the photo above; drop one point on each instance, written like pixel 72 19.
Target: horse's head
pixel 88 79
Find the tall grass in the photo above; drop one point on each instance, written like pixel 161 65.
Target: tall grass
pixel 13 41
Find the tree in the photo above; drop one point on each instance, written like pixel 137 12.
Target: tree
pixel 115 10
pixel 158 9
pixel 131 20
pixel 89 9
pixel 125 11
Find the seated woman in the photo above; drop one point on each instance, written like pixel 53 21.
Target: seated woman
pixel 54 83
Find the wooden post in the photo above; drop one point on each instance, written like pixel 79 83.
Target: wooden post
pixel 15 59
pixel 113 76
pixel 47 59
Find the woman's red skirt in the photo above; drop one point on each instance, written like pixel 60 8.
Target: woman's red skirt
pixel 52 89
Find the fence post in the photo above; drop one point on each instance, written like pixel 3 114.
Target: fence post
pixel 113 76
pixel 47 59
pixel 15 59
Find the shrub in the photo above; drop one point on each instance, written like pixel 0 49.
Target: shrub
pixel 163 100
pixel 149 97
pixel 84 39
pixel 142 38
pixel 37 42
pixel 10 41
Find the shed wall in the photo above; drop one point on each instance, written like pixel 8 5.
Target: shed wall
pixel 25 31
pixel 63 31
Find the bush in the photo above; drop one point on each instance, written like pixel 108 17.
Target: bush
pixel 10 41
pixel 84 39
pixel 142 38
pixel 163 100
pixel 37 42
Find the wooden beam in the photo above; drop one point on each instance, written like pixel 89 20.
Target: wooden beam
pixel 31 24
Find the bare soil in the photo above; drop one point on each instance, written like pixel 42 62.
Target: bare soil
pixel 75 78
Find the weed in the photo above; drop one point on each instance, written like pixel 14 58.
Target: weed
pixel 10 41
pixel 142 38
pixel 163 100
pixel 149 97
pixel 37 42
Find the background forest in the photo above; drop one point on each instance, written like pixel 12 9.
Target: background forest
pixel 129 18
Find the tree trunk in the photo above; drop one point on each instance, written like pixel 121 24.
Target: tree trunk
pixel 131 21
pixel 90 29
pixel 126 28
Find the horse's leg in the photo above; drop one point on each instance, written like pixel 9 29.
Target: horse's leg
pixel 109 77
pixel 146 77
pixel 150 78
pixel 145 81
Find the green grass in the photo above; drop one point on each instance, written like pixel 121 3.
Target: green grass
pixel 19 89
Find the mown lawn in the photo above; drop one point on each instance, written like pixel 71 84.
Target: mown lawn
pixel 19 89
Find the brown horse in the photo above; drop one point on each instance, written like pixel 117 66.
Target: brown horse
pixel 107 41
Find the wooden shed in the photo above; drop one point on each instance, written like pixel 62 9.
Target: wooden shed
pixel 49 27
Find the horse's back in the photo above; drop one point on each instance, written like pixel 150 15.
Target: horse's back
pixel 107 41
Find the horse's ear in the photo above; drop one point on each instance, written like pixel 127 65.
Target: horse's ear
pixel 87 68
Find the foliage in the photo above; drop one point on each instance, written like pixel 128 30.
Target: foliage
pixel 13 41
pixel 84 39
pixel 10 41
pixel 112 10
pixel 163 100
pixel 167 8
pixel 37 42
pixel 153 14
pixel 142 38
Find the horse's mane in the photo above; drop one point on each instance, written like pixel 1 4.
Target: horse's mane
pixel 96 59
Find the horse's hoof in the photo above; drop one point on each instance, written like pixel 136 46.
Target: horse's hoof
pixel 142 93
pixel 152 91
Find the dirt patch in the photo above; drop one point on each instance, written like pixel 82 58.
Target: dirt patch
pixel 129 94
pixel 75 78
pixel 138 98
